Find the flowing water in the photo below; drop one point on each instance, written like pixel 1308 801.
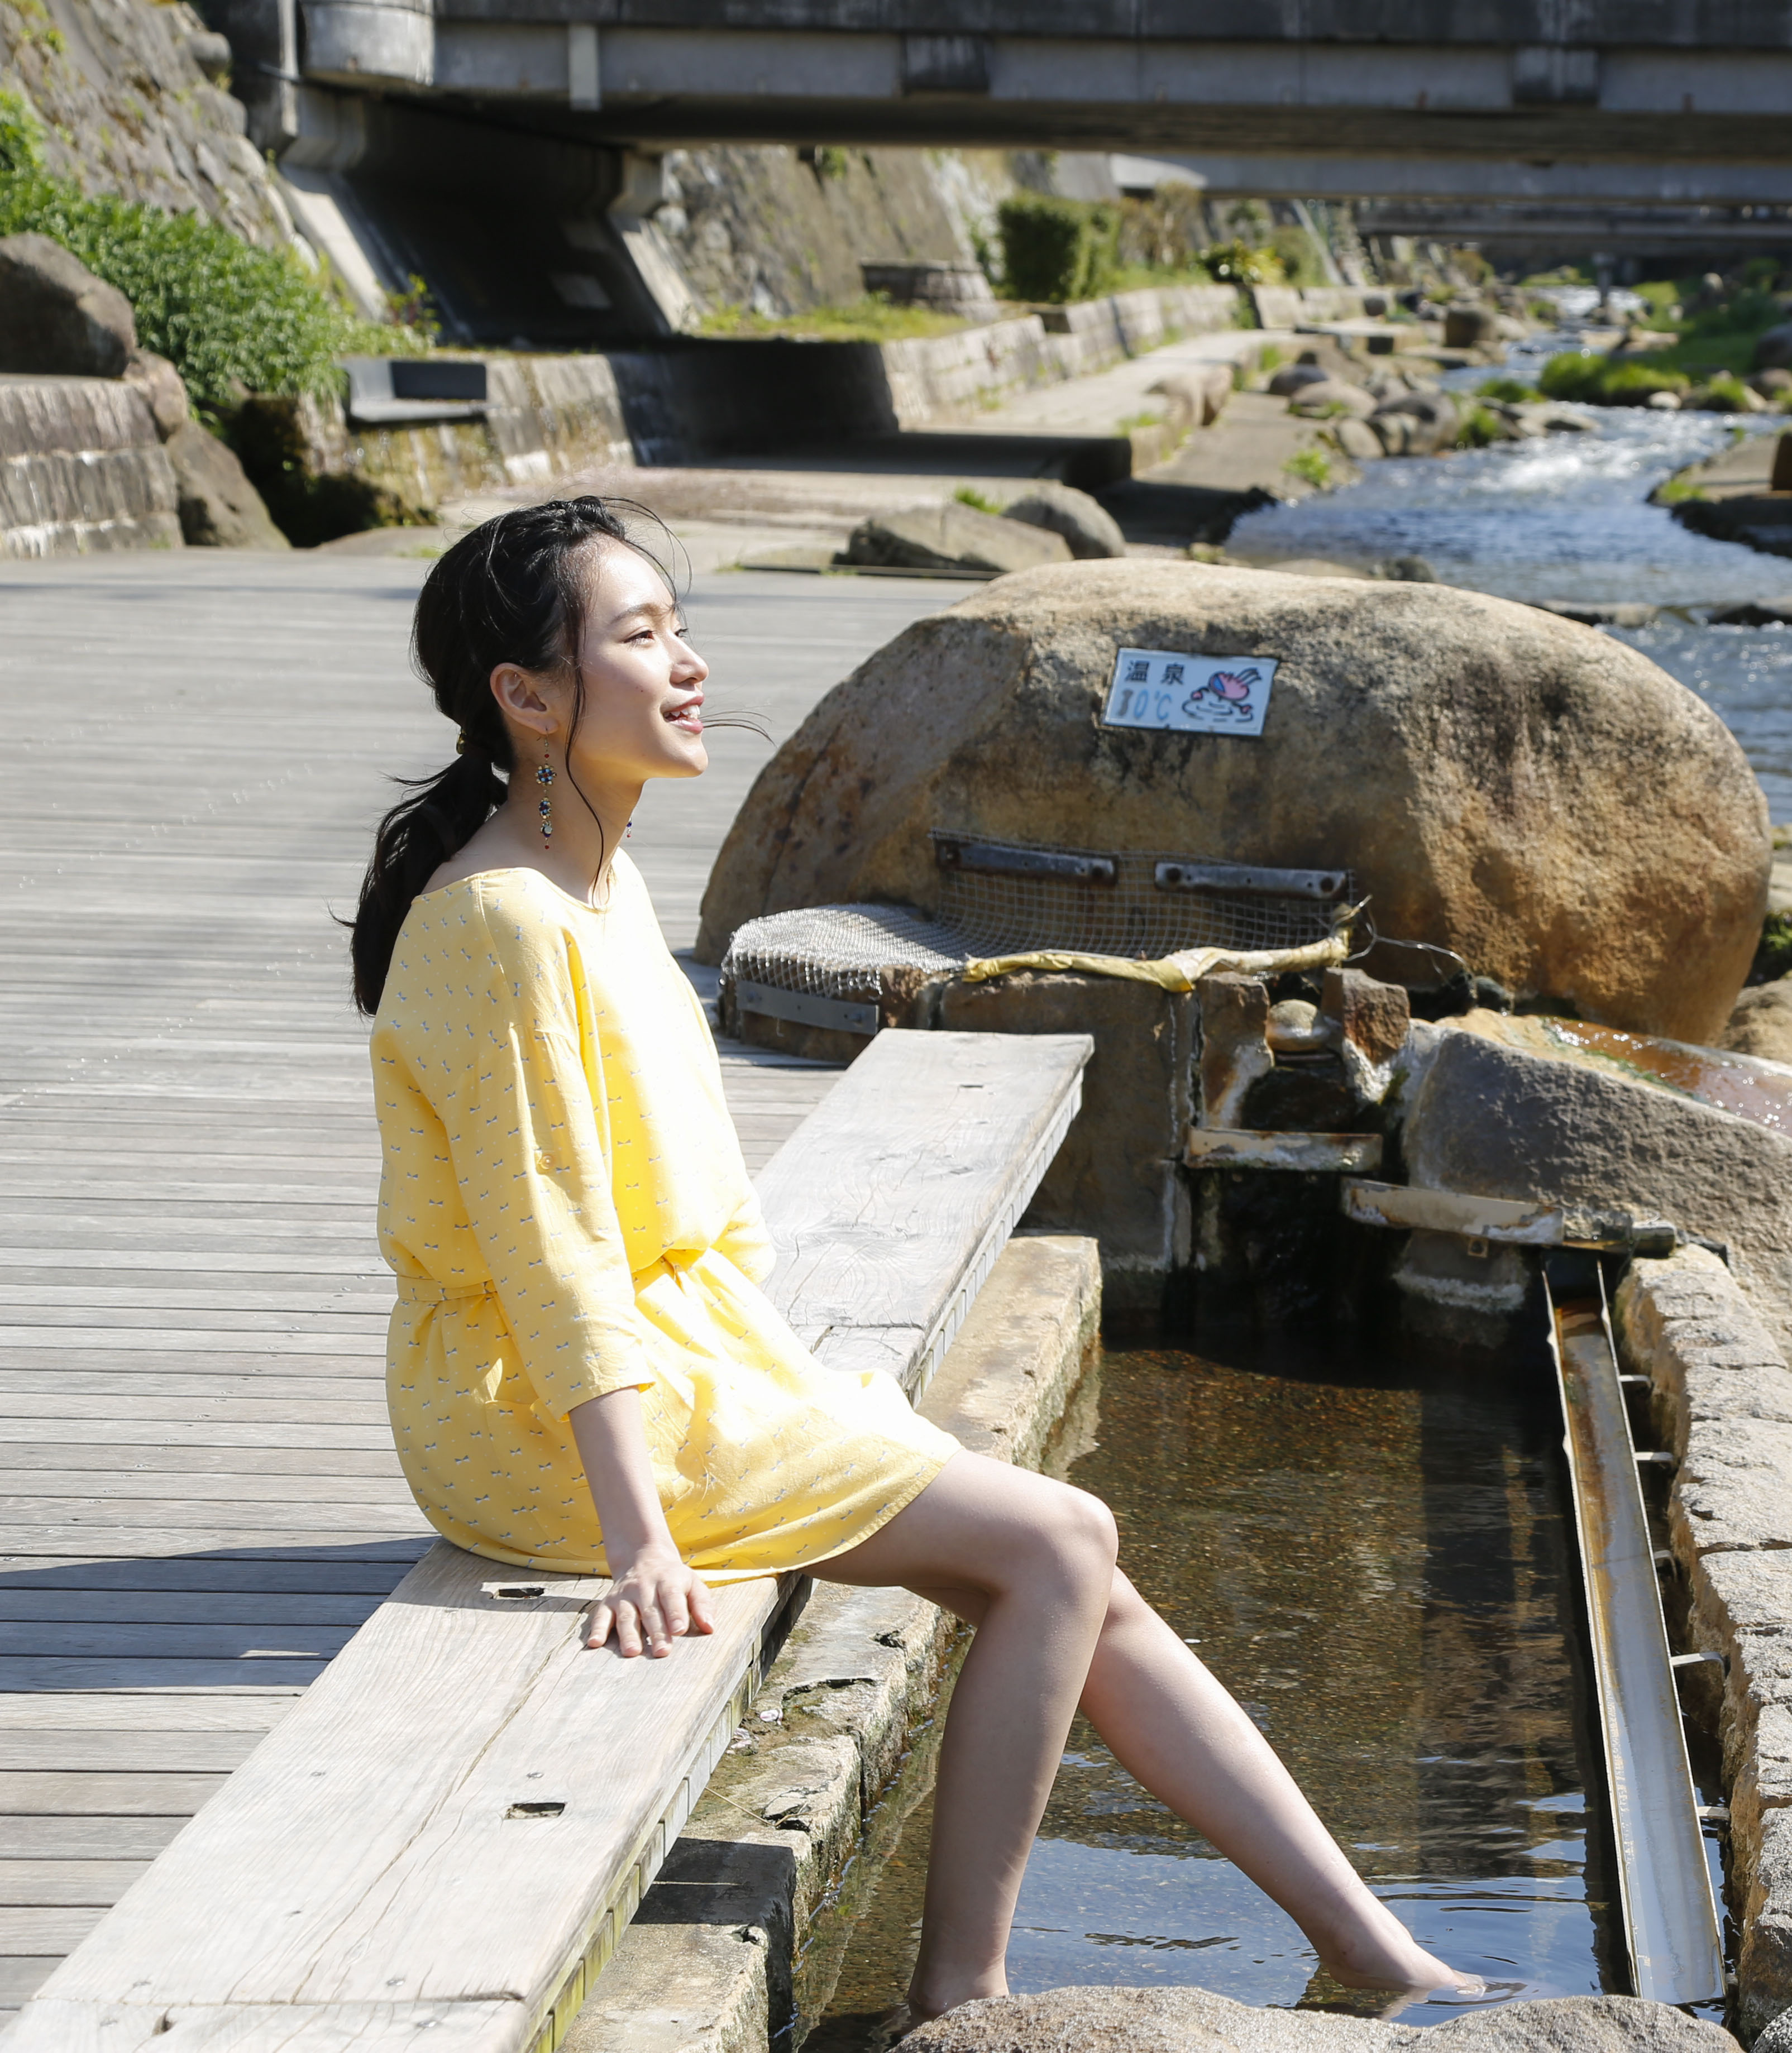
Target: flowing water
pixel 1370 1551
pixel 1567 517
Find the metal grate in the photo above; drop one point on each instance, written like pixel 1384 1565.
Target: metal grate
pixel 1000 898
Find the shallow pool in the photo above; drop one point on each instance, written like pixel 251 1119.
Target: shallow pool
pixel 1369 1551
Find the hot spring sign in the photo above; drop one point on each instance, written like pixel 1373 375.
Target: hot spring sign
pixel 1188 694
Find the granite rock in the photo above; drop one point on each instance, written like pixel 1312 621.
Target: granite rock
pixel 219 508
pixel 1761 1023
pixel 949 537
pixel 1086 524
pixel 57 319
pixel 1193 2020
pixel 1472 761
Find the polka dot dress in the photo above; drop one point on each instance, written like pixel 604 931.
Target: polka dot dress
pixel 565 1207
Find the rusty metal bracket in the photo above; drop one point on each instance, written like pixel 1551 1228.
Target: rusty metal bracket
pixel 1249 1148
pixel 1671 1922
pixel 1513 1222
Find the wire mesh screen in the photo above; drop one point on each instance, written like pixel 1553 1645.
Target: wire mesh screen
pixel 1005 899
pixel 1010 898
pixel 840 951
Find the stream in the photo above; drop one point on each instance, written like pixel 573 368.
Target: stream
pixel 1567 517
pixel 1369 1547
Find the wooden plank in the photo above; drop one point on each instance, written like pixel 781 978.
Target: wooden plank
pixel 375 1570
pixel 101 1713
pixel 40 1929
pixel 135 1753
pixel 27 1794
pixel 74 1837
pixel 454 2027
pixel 67 1882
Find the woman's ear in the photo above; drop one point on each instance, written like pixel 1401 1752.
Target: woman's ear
pixel 521 700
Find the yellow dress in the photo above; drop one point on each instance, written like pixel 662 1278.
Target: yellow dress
pixel 565 1204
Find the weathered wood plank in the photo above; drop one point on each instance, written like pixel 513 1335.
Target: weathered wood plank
pixel 99 1882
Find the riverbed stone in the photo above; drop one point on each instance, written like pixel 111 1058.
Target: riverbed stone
pixel 1195 2021
pixel 1472 761
pixel 1330 396
pixel 1416 423
pixel 1761 1023
pixel 1492 1120
pixel 1085 524
pixel 950 536
pixel 1773 350
pixel 1295 378
pixel 56 317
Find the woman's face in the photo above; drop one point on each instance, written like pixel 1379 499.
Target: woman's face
pixel 643 682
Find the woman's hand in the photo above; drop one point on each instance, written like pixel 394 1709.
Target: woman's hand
pixel 654 1600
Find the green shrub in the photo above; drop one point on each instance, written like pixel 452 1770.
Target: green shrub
pixel 979 502
pixel 1571 375
pixel 1578 374
pixel 1773 960
pixel 1056 250
pixel 1507 391
pixel 1311 464
pixel 227 315
pixel 1727 394
pixel 21 136
pixel 1479 428
pixel 1237 263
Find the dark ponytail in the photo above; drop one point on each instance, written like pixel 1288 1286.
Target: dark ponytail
pixel 510 592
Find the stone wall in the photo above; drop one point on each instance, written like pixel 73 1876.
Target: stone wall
pixel 81 469
pixel 1722 1396
pixel 126 107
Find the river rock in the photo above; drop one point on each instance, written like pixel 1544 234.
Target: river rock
pixel 1495 1120
pixel 1770 384
pixel 1293 378
pixel 1772 351
pixel 219 508
pixel 1416 423
pixel 1470 328
pixel 1475 762
pixel 1358 440
pixel 56 317
pixel 1203 388
pixel 1329 396
pixel 950 537
pixel 1194 2020
pixel 1754 613
pixel 1761 1023
pixel 1085 524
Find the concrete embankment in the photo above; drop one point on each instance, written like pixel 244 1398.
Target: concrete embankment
pixel 718 1958
pixel 1731 497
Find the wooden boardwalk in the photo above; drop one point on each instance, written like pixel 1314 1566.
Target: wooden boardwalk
pixel 200 1503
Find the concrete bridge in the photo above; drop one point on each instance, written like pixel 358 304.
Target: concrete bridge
pixel 1657 86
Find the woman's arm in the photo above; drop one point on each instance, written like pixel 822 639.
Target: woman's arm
pixel 653 1596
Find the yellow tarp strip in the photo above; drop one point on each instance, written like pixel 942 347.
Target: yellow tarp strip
pixel 1177 972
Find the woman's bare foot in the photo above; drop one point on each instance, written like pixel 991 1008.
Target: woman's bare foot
pixel 942 1994
pixel 1394 1959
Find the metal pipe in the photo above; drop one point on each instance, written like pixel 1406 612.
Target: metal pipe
pixel 1670 1917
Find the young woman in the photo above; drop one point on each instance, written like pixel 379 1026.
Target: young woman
pixel 583 1373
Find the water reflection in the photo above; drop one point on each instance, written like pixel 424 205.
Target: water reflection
pixel 1370 1554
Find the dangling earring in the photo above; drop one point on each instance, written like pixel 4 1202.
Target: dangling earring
pixel 545 776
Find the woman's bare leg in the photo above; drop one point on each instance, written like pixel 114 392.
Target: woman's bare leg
pixel 1170 1724
pixel 1019 1557
pixel 1034 1560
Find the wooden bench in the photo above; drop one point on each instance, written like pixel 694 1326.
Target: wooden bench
pixel 439 1847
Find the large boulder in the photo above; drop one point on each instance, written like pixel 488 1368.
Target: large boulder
pixel 57 319
pixel 1087 527
pixel 1331 396
pixel 1533 795
pixel 219 508
pixel 164 392
pixel 1195 2021
pixel 948 536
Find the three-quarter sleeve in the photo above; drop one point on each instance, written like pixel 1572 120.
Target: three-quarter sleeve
pixel 518 1091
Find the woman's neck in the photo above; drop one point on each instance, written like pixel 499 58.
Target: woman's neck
pixel 575 856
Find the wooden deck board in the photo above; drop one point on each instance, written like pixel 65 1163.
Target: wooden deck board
pixel 191 1302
